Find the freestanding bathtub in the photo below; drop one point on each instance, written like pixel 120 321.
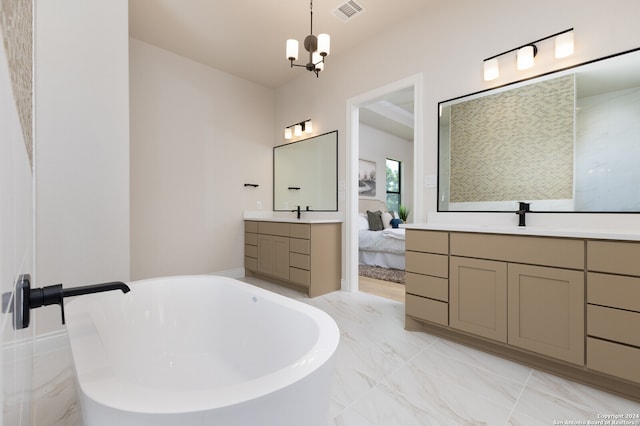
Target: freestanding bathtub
pixel 201 350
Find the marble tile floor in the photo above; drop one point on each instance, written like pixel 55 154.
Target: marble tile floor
pixel 388 376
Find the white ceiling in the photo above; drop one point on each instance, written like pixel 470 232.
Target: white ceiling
pixel 247 38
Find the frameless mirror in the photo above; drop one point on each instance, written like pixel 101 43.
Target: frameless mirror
pixel 565 141
pixel 305 174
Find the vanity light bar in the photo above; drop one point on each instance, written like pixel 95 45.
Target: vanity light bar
pixel 526 53
pixel 297 129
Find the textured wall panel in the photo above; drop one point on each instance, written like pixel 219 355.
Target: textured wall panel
pixel 514 145
pixel 16 23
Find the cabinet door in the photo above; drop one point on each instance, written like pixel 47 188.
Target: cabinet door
pixel 478 299
pixel 546 311
pixel 273 256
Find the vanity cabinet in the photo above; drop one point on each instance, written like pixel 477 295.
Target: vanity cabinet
pixel 426 277
pixel 479 297
pixel 521 291
pixel 546 311
pixel 567 305
pixel 613 308
pixel 304 255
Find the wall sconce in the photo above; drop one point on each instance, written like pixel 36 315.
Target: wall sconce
pixel 297 129
pixel 525 54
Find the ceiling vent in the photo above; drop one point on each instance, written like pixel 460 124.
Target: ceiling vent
pixel 348 11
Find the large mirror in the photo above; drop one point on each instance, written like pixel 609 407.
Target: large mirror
pixel 305 174
pixel 566 141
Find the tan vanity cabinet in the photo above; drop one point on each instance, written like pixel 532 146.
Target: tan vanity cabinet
pixel 251 245
pixel 613 308
pixel 567 305
pixel 528 278
pixel 478 290
pixel 546 311
pixel 306 255
pixel 427 276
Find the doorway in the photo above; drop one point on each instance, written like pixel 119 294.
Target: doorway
pixel 356 106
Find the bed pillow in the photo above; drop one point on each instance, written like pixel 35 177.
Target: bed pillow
pixel 375 220
pixel 386 220
pixel 395 222
pixel 363 222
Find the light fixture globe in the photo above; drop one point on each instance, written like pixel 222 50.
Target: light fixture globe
pixel 491 69
pixel 525 56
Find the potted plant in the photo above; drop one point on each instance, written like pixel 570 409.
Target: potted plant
pixel 403 212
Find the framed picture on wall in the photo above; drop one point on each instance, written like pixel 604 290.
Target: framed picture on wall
pixel 367 178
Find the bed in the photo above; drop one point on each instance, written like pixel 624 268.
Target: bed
pixel 384 248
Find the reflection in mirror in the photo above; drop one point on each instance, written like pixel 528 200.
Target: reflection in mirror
pixel 305 174
pixel 566 141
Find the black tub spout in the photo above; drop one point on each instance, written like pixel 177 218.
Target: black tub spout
pixel 96 288
pixel 28 298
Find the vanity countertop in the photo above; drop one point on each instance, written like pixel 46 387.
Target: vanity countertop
pixel 269 218
pixel 540 231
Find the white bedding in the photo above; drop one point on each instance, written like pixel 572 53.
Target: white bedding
pixel 389 240
pixel 382 248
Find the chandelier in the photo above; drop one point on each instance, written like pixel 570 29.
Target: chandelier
pixel 318 48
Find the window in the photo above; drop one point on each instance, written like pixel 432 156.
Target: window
pixel 393 184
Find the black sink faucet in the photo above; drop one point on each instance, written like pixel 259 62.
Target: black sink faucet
pixel 28 298
pixel 298 211
pixel 523 208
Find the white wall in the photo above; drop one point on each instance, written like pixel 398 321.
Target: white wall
pixel 197 136
pixel 377 146
pixel 16 252
pixel 447 44
pixel 81 145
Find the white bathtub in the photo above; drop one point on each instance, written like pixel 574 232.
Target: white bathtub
pixel 201 350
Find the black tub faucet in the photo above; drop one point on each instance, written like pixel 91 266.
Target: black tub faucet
pixel 523 208
pixel 28 298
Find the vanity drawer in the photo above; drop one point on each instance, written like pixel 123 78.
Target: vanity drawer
pixel 427 286
pixel 273 228
pixel 427 241
pixel 251 263
pixel 251 238
pixel 558 252
pixel 300 230
pixel 250 226
pixel 613 324
pixel 427 309
pixel 300 276
pixel 427 264
pixel 301 261
pixel 613 290
pixel 251 251
pixel 611 358
pixel 615 257
pixel 297 245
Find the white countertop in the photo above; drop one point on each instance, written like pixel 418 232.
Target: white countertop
pixel 266 216
pixel 292 220
pixel 603 234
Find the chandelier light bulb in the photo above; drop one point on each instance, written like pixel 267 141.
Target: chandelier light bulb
pixel 324 44
pixel 292 49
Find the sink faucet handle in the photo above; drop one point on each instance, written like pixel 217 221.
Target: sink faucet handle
pixel 524 207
